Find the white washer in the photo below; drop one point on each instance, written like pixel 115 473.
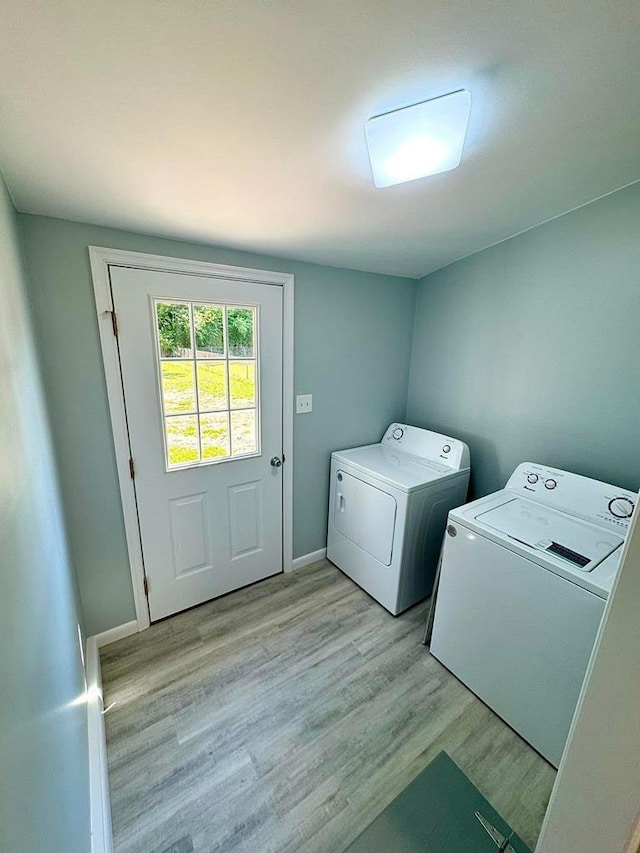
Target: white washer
pixel 524 579
pixel 388 506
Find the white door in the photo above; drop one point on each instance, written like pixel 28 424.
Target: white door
pixel 201 362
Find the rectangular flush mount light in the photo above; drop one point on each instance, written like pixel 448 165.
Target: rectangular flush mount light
pixel 417 141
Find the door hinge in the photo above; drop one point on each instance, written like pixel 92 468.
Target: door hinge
pixel 114 322
pixel 145 584
pixel 132 469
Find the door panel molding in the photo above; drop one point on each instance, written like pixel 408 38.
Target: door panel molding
pixel 183 540
pixel 102 259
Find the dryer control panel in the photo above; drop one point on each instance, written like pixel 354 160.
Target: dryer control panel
pixel 428 445
pixel 582 497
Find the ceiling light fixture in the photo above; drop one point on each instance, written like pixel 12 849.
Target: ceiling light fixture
pixel 420 140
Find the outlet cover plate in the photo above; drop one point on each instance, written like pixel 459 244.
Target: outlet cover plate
pixel 304 404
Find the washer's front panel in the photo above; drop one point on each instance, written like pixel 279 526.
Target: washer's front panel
pixel 516 634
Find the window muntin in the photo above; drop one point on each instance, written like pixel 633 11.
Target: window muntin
pixel 209 392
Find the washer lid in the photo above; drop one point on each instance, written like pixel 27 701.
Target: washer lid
pixel 401 470
pixel 562 536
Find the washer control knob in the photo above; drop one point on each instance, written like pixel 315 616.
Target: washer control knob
pixel 397 433
pixel 550 484
pixel 621 507
pixel 532 478
pixel 446 448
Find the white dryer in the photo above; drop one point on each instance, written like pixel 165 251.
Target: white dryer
pixel 525 576
pixel 388 506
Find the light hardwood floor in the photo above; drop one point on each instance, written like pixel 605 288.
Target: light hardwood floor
pixel 286 716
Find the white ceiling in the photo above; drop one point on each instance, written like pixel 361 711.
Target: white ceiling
pixel 240 122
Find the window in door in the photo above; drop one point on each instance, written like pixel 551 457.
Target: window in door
pixel 208 374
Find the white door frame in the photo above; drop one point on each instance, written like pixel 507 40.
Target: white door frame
pixel 101 259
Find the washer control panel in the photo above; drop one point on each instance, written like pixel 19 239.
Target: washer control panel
pixel 428 445
pixel 580 496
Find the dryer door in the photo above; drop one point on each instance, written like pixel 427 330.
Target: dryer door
pixel 365 515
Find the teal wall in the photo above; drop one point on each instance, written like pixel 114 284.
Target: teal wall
pixel 530 350
pixel 44 784
pixel 352 348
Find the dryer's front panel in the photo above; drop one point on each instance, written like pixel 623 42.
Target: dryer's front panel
pixel 366 515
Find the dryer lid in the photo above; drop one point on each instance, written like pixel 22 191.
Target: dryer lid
pixel 398 469
pixel 558 534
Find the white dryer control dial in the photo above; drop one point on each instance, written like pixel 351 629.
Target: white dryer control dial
pixel 532 478
pixel 621 507
pixel 398 433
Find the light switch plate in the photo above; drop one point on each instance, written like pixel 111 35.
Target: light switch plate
pixel 304 404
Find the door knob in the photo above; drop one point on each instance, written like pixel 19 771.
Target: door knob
pixel 276 461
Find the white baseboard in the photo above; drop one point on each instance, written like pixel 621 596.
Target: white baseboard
pixel 117 633
pixel 308 559
pixel 101 838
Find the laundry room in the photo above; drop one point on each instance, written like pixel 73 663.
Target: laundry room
pixel 328 462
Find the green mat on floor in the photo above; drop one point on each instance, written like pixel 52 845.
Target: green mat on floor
pixel 435 814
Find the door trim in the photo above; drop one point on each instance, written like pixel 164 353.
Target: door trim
pixel 101 259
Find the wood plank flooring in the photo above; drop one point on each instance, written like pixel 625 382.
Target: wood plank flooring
pixel 285 717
